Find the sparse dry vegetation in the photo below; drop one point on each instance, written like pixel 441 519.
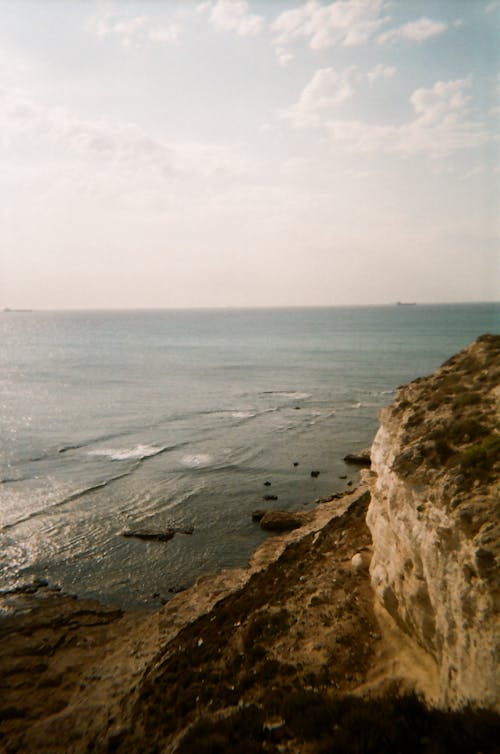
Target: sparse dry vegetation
pixel 458 405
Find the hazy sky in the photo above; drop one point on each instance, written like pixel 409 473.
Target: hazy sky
pixel 228 153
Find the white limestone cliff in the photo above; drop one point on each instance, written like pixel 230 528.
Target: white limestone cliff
pixel 435 525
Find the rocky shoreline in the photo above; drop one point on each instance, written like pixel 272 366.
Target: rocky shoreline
pixel 303 651
pixel 83 651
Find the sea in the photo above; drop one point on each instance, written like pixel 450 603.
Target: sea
pixel 120 420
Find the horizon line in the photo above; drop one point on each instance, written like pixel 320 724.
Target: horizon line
pixel 255 307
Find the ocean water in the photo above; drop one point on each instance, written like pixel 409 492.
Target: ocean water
pixel 116 420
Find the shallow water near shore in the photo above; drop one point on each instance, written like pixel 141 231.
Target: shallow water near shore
pixel 153 419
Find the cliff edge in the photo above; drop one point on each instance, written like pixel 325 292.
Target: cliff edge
pixel 328 641
pixel 435 526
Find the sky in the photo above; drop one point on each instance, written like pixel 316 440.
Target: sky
pixel 169 153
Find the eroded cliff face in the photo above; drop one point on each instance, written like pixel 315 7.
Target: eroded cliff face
pixel 435 524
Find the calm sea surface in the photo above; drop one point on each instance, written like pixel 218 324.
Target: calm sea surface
pixel 115 420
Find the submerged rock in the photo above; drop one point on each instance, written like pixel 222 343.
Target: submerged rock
pixel 281 520
pixel 157 535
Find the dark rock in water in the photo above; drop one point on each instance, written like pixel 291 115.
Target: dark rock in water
pixel 297 408
pixel 360 459
pixel 314 474
pixel 163 535
pixel 270 497
pixel 258 514
pixel 267 484
pixel 281 521
pixel 157 536
pixel 349 483
pixel 295 463
pixel 343 476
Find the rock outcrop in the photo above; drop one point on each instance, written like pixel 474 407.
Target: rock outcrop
pixel 435 524
pixel 282 520
pixel 363 458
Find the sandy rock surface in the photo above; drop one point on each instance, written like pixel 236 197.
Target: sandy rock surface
pixel 435 521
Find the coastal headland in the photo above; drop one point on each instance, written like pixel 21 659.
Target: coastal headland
pixel 371 627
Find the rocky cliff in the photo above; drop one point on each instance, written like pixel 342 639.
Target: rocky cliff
pixel 435 525
pixel 288 656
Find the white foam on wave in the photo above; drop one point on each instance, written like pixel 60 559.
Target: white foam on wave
pixel 127 454
pixel 196 461
pixel 243 414
pixel 234 414
pixel 296 396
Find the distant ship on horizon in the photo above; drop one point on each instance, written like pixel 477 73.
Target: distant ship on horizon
pixel 406 303
pixel 8 309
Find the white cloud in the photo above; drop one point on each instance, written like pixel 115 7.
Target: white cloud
pixel 112 25
pixel 283 56
pixel 202 7
pixel 442 102
pixel 136 30
pixel 381 71
pixel 323 93
pixel 441 124
pixel 359 136
pixel 15 69
pixel 473 173
pixel 414 31
pixel 98 145
pixel 233 15
pixel 346 23
pixel 165 34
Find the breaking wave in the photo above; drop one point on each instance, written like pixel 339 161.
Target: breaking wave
pixel 197 461
pixel 293 395
pixel 130 454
